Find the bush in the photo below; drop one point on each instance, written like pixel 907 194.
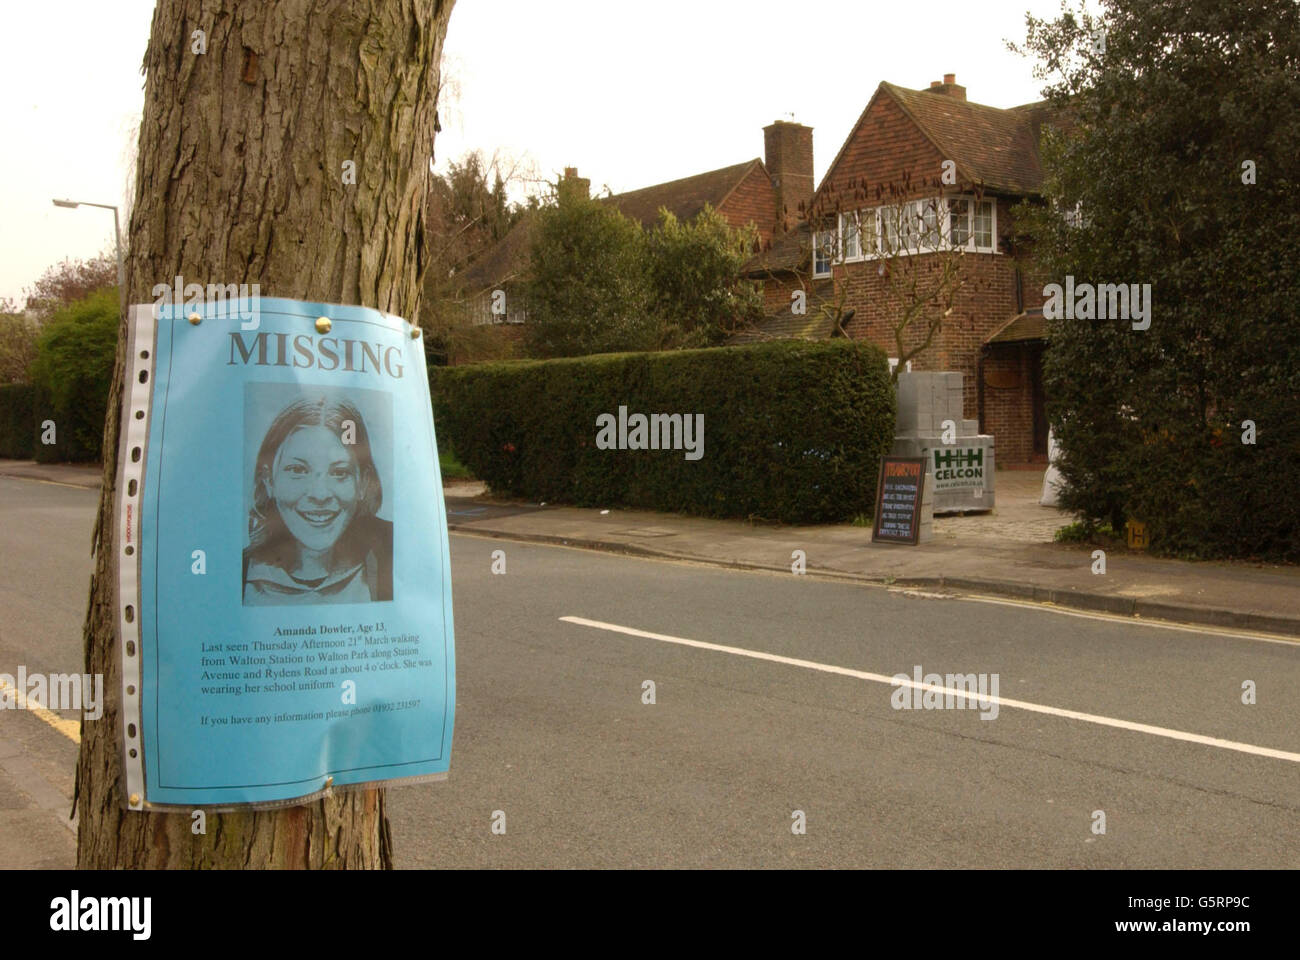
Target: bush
pixel 1083 531
pixel 18 336
pixel 793 430
pixel 72 374
pixel 695 274
pixel 598 282
pixel 1190 425
pixel 453 469
pixel 587 291
pixel 17 421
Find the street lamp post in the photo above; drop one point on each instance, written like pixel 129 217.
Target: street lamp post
pixel 117 241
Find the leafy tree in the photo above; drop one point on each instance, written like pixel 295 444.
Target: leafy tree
pixel 18 335
pixel 73 370
pixel 599 283
pixel 1176 162
pixel 468 208
pixel 69 281
pixel 467 212
pixel 588 290
pixel 694 273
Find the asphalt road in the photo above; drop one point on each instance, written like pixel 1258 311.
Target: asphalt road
pixel 551 728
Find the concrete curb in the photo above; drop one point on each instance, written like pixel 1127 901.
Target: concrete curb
pixel 1074 599
pixel 83 483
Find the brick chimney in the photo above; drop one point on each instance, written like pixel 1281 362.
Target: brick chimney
pixel 948 87
pixel 581 186
pixel 788 156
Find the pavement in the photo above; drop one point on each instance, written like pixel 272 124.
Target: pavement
pixel 45 568
pixel 1007 552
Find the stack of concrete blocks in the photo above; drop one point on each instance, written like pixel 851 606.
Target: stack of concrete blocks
pixel 926 531
pixel 925 401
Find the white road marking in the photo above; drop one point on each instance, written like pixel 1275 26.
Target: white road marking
pixel 1001 701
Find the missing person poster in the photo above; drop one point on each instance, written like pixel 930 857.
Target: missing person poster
pixel 284 588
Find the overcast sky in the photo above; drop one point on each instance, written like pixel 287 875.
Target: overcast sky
pixel 630 94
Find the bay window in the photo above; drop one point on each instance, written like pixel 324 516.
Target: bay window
pixel 915 227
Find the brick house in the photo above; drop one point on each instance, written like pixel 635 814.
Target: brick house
pixel 767 193
pixel 927 173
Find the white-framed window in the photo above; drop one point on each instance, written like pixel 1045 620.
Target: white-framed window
pixel 914 227
pixel 971 225
pixel 1073 216
pixel 480 314
pixel 870 232
pixel 886 228
pixel 930 223
pixel 823 252
pixel 859 235
pixel 919 226
pixel 982 214
pixel 850 235
pixel 958 233
pixel 911 228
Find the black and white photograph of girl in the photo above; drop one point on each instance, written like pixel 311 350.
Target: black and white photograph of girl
pixel 321 461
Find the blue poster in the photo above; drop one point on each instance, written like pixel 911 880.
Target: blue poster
pixel 284 578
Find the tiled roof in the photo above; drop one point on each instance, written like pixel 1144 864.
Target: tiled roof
pixel 816 324
pixel 788 251
pixel 505 261
pixel 684 198
pixel 990 145
pixel 1029 325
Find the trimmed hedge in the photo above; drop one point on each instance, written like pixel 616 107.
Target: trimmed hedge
pixel 17 421
pixel 793 430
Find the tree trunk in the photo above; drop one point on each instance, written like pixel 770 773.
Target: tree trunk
pixel 240 179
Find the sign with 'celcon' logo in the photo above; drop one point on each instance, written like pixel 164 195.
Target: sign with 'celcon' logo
pixel 957 467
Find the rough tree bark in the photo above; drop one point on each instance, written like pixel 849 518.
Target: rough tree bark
pixel 240 180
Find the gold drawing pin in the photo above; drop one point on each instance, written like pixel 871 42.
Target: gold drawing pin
pixel 323 324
